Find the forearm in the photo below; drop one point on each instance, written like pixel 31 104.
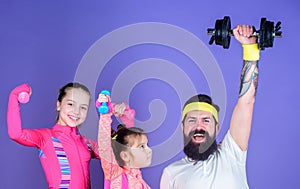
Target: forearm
pixel 242 115
pixel 108 162
pixel 249 80
pixel 25 137
pixel 14 118
pixel 104 138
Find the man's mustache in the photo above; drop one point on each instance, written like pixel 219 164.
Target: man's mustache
pixel 198 132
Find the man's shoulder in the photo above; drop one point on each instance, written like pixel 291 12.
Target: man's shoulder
pixel 177 165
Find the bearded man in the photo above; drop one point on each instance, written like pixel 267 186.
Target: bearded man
pixel 209 165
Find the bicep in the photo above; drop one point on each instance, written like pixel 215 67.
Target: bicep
pixel 240 125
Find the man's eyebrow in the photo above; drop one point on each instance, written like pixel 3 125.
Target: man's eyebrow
pixel 191 117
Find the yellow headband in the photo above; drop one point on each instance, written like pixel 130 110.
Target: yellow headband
pixel 200 106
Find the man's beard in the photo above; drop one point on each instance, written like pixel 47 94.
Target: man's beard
pixel 199 152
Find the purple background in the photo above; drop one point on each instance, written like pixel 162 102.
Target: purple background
pixel 43 43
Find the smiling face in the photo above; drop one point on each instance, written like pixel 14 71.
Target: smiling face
pixel 73 107
pixel 199 129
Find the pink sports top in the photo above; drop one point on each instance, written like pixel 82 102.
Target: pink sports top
pixel 64 153
pixel 117 177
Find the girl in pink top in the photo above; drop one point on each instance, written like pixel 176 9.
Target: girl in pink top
pixel 124 155
pixel 64 153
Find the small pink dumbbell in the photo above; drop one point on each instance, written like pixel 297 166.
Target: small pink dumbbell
pixel 24 97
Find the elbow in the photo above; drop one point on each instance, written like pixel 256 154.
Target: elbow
pixel 14 135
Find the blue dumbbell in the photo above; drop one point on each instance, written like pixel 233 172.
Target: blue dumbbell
pixel 103 108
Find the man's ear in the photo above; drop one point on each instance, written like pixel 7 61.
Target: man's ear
pixel 181 125
pixel 217 127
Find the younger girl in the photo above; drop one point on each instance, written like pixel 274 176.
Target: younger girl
pixel 129 151
pixel 64 153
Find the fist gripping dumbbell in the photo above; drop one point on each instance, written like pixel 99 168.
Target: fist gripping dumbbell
pixel 24 97
pixel 104 106
pixel 222 32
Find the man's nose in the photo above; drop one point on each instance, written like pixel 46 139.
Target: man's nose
pixel 200 125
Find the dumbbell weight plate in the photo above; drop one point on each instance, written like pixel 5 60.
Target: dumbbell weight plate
pixel 222 32
pixel 266 32
pixel 226 30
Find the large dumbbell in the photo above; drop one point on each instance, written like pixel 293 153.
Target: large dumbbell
pixel 222 33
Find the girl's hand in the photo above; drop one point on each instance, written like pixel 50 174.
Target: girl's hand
pixel 21 88
pixel 119 109
pixel 103 98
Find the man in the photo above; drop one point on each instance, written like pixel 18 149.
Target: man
pixel 209 165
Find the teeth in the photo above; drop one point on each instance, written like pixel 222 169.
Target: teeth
pixel 198 135
pixel 74 118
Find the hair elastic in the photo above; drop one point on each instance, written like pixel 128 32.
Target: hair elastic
pixel 114 137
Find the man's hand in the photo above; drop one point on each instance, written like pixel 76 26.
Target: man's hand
pixel 242 33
